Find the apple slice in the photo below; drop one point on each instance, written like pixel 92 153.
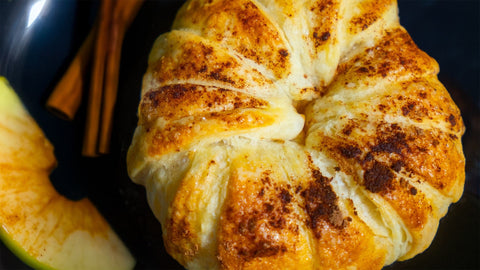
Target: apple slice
pixel 43 228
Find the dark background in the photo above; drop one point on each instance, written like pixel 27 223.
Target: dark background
pixel 34 59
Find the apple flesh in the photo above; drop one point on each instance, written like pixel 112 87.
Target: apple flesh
pixel 43 228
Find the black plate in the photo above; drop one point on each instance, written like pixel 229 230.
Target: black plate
pixel 34 58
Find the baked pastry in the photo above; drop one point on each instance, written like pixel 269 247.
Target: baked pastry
pixel 295 134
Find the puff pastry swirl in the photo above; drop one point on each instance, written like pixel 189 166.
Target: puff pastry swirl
pixel 295 134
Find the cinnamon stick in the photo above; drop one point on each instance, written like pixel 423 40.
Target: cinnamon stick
pixel 67 94
pixel 97 80
pixel 124 13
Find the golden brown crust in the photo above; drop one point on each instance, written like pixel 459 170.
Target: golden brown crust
pixel 258 224
pixel 181 100
pixel 240 26
pixel 185 59
pixel 239 180
pixel 370 12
